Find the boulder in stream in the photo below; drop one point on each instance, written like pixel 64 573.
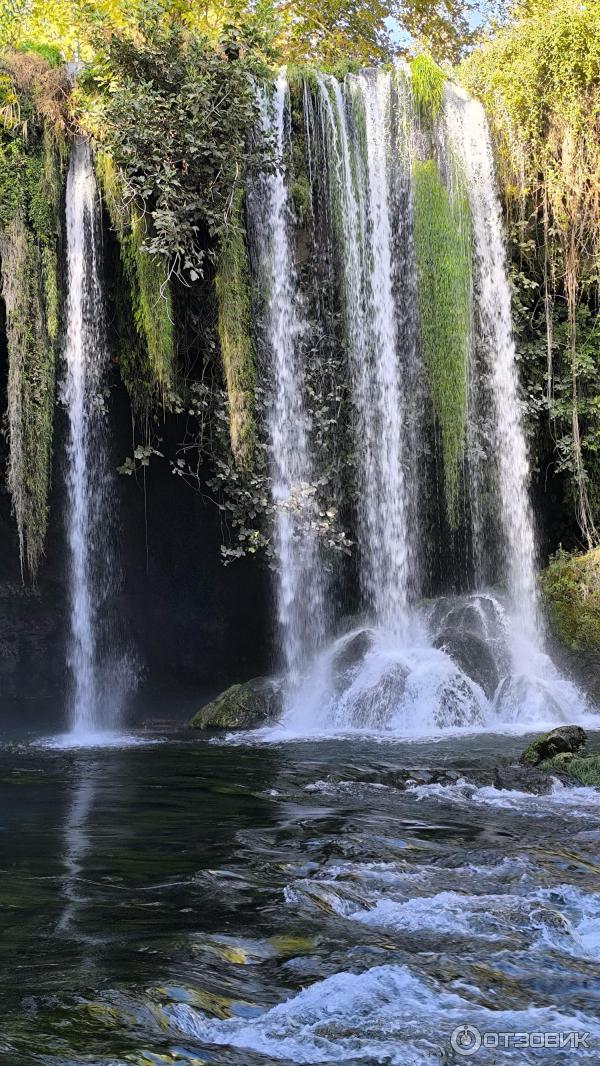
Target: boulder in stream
pixel 564 739
pixel 242 706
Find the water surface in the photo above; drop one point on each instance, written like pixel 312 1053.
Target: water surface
pixel 342 901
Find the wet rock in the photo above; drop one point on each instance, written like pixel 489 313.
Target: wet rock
pixel 567 738
pixel 352 650
pixel 243 706
pixel 473 656
pixel 350 654
pixel 374 705
pixel 457 704
pixel 516 778
pixel 518 696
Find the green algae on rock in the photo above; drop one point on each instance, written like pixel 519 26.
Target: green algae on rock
pixel 571 594
pixel 243 706
pixel 565 739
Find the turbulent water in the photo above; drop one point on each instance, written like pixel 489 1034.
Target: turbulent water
pixel 334 902
pixel 402 666
pixel 91 562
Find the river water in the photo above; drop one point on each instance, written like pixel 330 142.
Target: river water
pixel 182 900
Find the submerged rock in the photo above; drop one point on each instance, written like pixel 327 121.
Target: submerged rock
pixel 457 704
pixel 516 778
pixel 567 738
pixel 519 696
pixel 372 705
pixel 473 656
pixel 243 706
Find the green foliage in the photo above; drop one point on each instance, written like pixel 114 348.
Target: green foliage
pixel 50 53
pixel 177 121
pixel 539 78
pixel 442 235
pixel 427 86
pixel 148 365
pixel 31 375
pixel 585 769
pixel 570 588
pixel 233 292
pixel 31 172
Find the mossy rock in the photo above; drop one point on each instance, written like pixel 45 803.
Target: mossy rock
pixel 567 739
pixel 243 706
pixel 570 588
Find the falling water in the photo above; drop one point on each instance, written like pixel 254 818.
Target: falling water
pixel 360 182
pixel 469 130
pixel 87 477
pixel 469 660
pixel 300 580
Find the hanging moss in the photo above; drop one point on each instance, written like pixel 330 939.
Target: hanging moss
pixel 442 235
pixel 147 369
pixel 427 86
pixel 31 376
pixel 233 293
pixel 30 189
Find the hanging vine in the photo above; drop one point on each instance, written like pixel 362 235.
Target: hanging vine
pixel 549 157
pixel 31 171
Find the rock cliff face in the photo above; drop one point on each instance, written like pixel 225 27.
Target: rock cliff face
pixel 187 621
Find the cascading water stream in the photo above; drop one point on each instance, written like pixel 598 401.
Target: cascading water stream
pixel 300 578
pixel 88 480
pixel 359 182
pixel 469 130
pixel 473 660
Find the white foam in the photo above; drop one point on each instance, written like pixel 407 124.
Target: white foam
pixel 108 739
pixel 383 1015
pixel 577 801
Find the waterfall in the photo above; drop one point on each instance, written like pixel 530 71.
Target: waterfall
pixel 88 481
pixel 359 178
pixel 300 577
pixel 456 643
pixel 469 130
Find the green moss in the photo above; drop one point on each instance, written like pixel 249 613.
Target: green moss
pixel 148 367
pixel 31 175
pixel 427 87
pixel 12 192
pixel 234 321
pixel 153 309
pixel 242 706
pixel 52 55
pixel 442 236
pixel 31 376
pixel 563 740
pixel 300 74
pixel 302 200
pixel 570 588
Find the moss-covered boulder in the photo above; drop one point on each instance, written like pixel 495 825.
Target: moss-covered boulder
pixel 570 592
pixel 566 739
pixel 570 588
pixel 244 706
